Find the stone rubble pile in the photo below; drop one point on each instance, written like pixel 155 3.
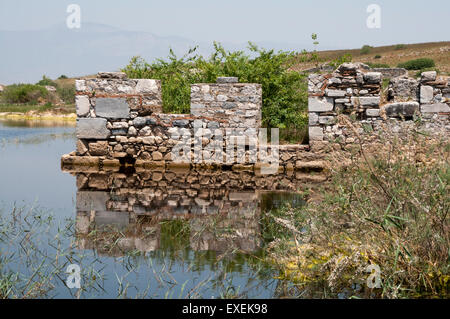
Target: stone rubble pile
pixel 351 89
pixel 354 89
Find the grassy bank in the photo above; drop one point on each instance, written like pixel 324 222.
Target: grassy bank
pixel 393 214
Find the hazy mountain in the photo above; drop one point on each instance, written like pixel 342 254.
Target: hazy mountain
pixel 26 55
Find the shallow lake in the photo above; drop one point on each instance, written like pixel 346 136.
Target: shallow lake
pixel 154 234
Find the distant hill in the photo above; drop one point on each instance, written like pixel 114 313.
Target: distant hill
pixel 27 55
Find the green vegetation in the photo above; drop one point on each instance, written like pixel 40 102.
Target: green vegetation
pixel 284 91
pixel 400 46
pixel 418 73
pixel 23 98
pixel 347 57
pixel 37 248
pixel 392 212
pixel 23 93
pixel 377 56
pixel 24 108
pixel 417 64
pixel 46 81
pixel 66 93
pixel 366 49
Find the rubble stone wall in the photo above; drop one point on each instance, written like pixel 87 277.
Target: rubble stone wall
pixel 121 120
pixel 355 90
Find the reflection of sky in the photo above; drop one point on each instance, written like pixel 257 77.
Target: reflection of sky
pixel 30 175
pixel 30 167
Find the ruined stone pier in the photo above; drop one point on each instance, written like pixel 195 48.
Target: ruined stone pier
pixel 120 121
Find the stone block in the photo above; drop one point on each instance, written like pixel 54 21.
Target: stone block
pixel 428 76
pixel 197 109
pixel 144 121
pixel 366 101
pixel 313 118
pixel 88 200
pixel 316 104
pixel 81 147
pixel 372 77
pixel 98 149
pixel 80 85
pixel 405 109
pixel 82 105
pixel 315 133
pixel 327 119
pixel 180 123
pixel 112 75
pixel 227 79
pixel 92 128
pixel 229 105
pixel 157 156
pixel 373 112
pixel 335 93
pixel 110 218
pixel 147 86
pixel 435 108
pixel 426 94
pixel 113 108
pixel 345 100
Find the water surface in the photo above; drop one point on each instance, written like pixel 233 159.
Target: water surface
pixel 158 234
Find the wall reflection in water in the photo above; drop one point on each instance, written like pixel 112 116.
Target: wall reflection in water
pixel 119 212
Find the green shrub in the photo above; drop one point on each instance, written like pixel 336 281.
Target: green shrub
pixel 366 49
pixel 417 64
pixel 46 81
pixel 378 56
pixel 23 93
pixel 390 209
pixel 284 91
pixel 66 93
pixel 400 46
pixel 62 77
pixel 347 57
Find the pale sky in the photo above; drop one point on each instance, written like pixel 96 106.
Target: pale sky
pixel 339 24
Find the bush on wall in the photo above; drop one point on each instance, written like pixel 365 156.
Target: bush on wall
pixel 284 91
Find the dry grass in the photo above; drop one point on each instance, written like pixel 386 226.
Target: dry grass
pixel 389 208
pixel 391 55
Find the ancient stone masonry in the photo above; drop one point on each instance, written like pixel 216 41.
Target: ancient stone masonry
pixel 434 95
pixel 351 89
pixel 355 90
pixel 238 105
pixel 389 73
pixel 120 121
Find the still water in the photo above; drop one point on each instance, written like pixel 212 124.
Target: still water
pixel 133 234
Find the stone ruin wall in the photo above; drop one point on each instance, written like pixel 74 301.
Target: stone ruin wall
pixel 120 121
pixel 389 73
pixel 354 92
